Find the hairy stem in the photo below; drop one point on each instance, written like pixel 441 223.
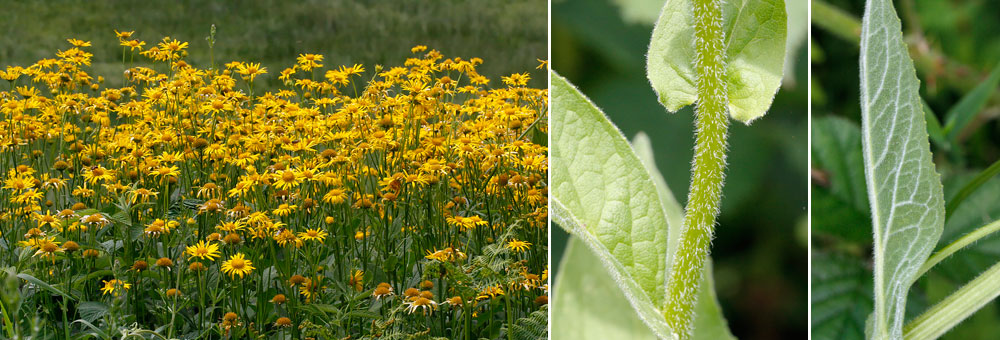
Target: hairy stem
pixel 708 168
pixel 955 308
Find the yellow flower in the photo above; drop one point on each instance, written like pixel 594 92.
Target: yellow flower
pixel 285 237
pixel 287 180
pixel 516 79
pixel 310 61
pixel 313 234
pixel 518 246
pixel 466 222
pixel 203 251
pixel 140 195
pixel 115 287
pixel 449 254
pixel 285 209
pixel 420 302
pixel 98 174
pixel 335 196
pixel 357 280
pixel 49 249
pixel 251 70
pixel 237 265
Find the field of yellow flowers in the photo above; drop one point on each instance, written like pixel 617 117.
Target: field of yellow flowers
pixel 388 202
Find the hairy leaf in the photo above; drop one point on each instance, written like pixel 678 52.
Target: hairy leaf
pixel 610 198
pixel 755 33
pixel 602 194
pixel 589 304
pixel 904 189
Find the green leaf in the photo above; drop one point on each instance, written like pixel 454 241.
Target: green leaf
pixel 43 285
pixel 755 53
pixel 639 11
pixel 956 201
pixel 960 115
pixel 798 22
pixel 709 323
pixel 605 196
pixel 675 214
pixel 903 186
pixel 980 209
pixel 836 146
pixel 841 297
pixel 831 215
pixel 91 311
pixel 588 303
pixel 532 327
pixel 839 202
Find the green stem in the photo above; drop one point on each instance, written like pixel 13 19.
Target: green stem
pixel 956 307
pixel 708 170
pixel 966 240
pixel 971 187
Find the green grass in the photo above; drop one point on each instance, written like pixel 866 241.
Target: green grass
pixel 508 35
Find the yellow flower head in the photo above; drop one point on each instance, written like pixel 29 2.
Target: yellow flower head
pixel 237 265
pixel 204 251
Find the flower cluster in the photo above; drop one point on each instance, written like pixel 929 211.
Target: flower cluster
pixel 189 200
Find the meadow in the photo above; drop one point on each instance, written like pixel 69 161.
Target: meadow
pixel 392 201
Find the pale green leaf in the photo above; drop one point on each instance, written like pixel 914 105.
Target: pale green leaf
pixel 588 304
pixel 675 214
pixel 639 11
pixel 755 50
pixel 605 196
pixel 798 22
pixel 904 189
pixel 709 323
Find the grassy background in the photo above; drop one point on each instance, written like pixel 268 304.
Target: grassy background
pixel 508 35
pixel 760 247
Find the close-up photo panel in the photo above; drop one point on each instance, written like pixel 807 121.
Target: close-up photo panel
pixel 273 170
pixel 397 170
pixel 905 149
pixel 678 193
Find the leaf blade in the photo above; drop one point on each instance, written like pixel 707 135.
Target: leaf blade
pixel 589 305
pixel 606 191
pixel 756 32
pixel 904 189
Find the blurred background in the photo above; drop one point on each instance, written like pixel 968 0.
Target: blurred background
pixel 508 35
pixel 759 251
pixel 955 50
